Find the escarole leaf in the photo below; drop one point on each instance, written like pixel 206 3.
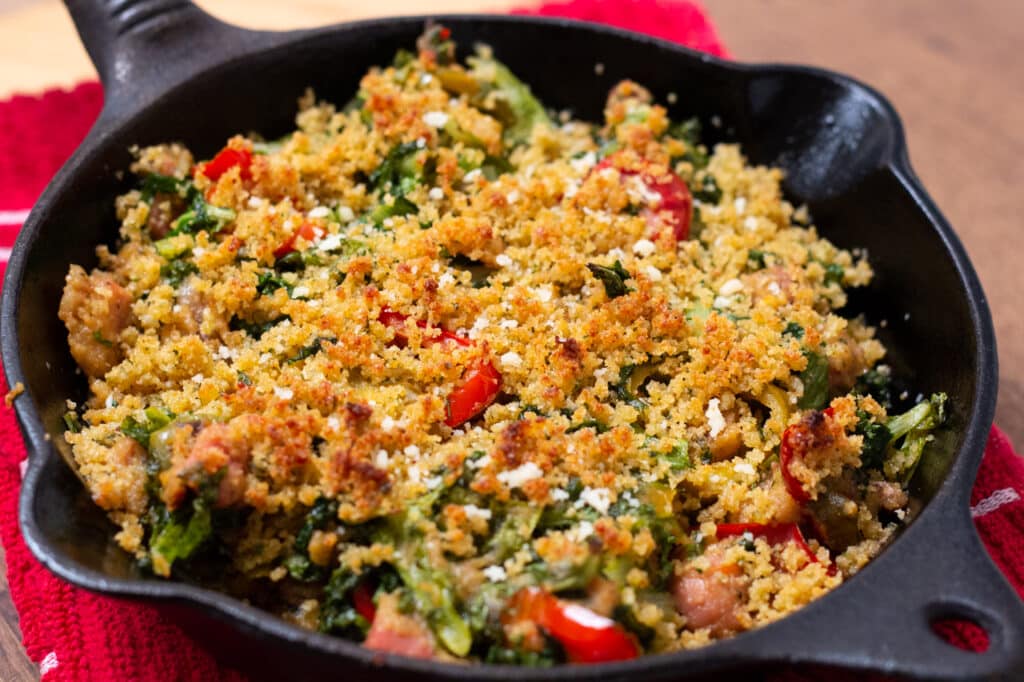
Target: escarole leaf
pixel 299 565
pixel 910 432
pixel 430 586
pixel 201 215
pixel 399 169
pixel 507 98
pixel 613 278
pixel 338 615
pixel 815 381
pixel 154 419
pixel 175 539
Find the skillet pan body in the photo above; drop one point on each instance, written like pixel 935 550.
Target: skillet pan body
pixel 177 74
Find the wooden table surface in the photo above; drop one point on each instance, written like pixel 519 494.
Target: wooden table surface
pixel 952 69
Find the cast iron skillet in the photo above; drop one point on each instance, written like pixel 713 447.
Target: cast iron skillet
pixel 173 73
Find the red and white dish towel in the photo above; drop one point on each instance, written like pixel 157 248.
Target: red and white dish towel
pixel 75 635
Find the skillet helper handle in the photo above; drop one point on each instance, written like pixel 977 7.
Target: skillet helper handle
pixel 142 47
pixel 944 573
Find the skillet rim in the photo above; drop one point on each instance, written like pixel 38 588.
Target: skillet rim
pixel 951 496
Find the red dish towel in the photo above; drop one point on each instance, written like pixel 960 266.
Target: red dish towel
pixel 75 635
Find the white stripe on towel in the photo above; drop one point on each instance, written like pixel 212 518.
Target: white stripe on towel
pixel 999 498
pixel 13 217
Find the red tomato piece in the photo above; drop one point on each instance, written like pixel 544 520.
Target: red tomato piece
pixel 480 383
pixel 586 637
pixel 307 231
pixel 396 321
pixel 362 600
pixel 673 207
pixel 775 534
pixel 478 388
pixel 225 160
pixel 796 439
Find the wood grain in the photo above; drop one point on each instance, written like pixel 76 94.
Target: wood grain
pixel 951 69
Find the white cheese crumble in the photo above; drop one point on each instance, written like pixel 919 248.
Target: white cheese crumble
pixel 637 188
pixel 520 475
pixel 740 204
pixel 743 468
pixel 559 495
pixel 512 359
pixel 436 193
pixel 333 423
pixel 479 325
pixel 644 247
pixel 412 451
pixel 319 212
pixel 387 423
pixel 653 273
pixel 255 202
pixel 542 294
pixel 503 260
pixel 300 291
pixel 509 324
pixel 750 222
pixel 284 393
pixel 475 512
pixel 346 214
pixel 495 574
pixel 730 287
pixel 598 498
pixel 715 419
pixel 381 460
pixel 582 531
pixel 330 242
pixel 435 119
pixel 445 280
pixel 425 79
pixel 775 288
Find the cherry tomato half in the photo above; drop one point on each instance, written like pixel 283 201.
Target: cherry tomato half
pixel 586 637
pixel 225 160
pixel 796 440
pixel 669 202
pixel 477 389
pixel 396 321
pixel 480 383
pixel 307 231
pixel 775 534
pixel 362 600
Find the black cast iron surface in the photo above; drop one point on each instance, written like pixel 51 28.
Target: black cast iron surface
pixel 171 72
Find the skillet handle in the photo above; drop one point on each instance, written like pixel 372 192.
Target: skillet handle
pixel 940 571
pixel 143 47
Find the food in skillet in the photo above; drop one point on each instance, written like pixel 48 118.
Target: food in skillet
pixel 449 375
